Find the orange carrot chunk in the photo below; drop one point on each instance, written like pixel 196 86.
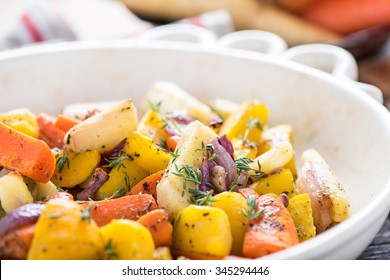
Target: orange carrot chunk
pixel 157 222
pixel 15 244
pixel 126 207
pixel 272 231
pixel 148 185
pixel 49 133
pixel 29 156
pixel 247 192
pixel 65 123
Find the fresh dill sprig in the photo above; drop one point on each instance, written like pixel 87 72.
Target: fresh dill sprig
pixel 252 206
pixel 201 198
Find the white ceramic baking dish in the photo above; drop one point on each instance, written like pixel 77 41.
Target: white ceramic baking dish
pixel 332 114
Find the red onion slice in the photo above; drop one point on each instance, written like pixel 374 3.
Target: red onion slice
pixel 225 142
pixel 93 186
pixel 205 169
pixel 23 215
pixel 226 161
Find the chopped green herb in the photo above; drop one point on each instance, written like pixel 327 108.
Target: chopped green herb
pixel 163 143
pixel 156 107
pixel 188 174
pixel 86 214
pixel 252 213
pixel 251 124
pixel 116 162
pixel 62 161
pixel 110 250
pixel 119 192
pixel 201 198
pixel 174 155
pixel 242 164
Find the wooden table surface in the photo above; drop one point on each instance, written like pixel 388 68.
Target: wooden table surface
pixel 376 70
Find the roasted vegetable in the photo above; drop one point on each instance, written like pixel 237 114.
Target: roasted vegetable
pixel 74 168
pixel 145 153
pixel 157 222
pixel 13 192
pixel 127 240
pixel 22 120
pixel 234 204
pixel 25 154
pixel 172 193
pixel 202 229
pixel 65 231
pixel 126 207
pixel 271 230
pixel 300 210
pixel 328 198
pixel 277 183
pixel 173 98
pixel 103 131
pixel 246 123
pixel 122 177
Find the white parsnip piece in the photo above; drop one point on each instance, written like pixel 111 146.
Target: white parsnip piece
pixel 175 99
pixel 275 158
pixel 328 199
pixel 13 192
pixel 171 194
pixel 103 131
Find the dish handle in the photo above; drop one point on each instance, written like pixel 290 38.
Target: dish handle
pixel 329 58
pixel 334 60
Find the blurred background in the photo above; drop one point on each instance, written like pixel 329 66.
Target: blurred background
pixel 360 26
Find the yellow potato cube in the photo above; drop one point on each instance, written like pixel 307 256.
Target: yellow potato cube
pixel 236 125
pixel 145 153
pixel 124 177
pixel 278 183
pixel 74 168
pixel 64 231
pixel 127 240
pixel 301 212
pixel 234 204
pixel 22 120
pixel 202 229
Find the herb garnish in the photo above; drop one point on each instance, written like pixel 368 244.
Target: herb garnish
pixel 116 162
pixel 119 192
pixel 110 250
pixel 62 161
pixel 201 198
pixel 242 164
pixel 188 174
pixel 86 214
pixel 251 124
pixel 252 213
